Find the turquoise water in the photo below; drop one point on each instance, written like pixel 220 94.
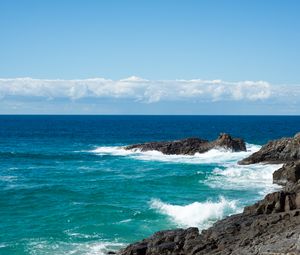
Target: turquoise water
pixel 67 187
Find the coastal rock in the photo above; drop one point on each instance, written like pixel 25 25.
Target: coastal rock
pixel 277 151
pixel 190 146
pixel 280 201
pixel 290 172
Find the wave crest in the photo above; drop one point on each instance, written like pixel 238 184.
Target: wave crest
pixel 197 214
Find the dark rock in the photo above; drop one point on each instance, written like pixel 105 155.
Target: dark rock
pixel 162 242
pixel 278 151
pixel 280 201
pixel 290 172
pixel 190 146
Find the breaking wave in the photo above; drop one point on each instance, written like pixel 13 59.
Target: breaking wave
pixel 226 175
pixel 197 214
pixel 241 177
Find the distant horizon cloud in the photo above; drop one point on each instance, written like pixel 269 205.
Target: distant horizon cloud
pixel 136 95
pixel 137 89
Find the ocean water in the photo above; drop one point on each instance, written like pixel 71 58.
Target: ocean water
pixel 68 187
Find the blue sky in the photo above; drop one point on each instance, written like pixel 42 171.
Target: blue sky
pixel 153 57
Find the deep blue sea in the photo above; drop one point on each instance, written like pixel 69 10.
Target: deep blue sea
pixel 68 187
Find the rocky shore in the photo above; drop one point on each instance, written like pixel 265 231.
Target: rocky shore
pixel 270 226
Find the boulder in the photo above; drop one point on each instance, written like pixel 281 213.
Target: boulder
pixel 190 146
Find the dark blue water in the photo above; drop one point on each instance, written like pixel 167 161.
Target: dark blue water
pixel 66 186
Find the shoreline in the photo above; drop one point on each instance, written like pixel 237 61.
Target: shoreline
pixel 270 226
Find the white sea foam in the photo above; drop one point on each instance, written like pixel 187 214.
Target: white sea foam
pixel 239 177
pixel 197 214
pixel 81 235
pixel 229 175
pixel 212 156
pixel 125 221
pixel 68 248
pixel 3 245
pixel 8 178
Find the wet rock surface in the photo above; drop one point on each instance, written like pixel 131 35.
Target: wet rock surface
pixel 278 151
pixel 190 146
pixel 269 227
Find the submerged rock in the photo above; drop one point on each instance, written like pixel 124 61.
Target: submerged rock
pixel 190 146
pixel 277 151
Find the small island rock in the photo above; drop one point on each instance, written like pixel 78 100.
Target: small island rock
pixel 190 146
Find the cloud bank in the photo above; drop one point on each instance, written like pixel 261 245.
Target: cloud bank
pixel 139 89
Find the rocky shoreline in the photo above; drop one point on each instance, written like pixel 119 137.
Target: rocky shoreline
pixel 270 226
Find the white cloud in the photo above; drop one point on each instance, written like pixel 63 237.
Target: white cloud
pixel 137 89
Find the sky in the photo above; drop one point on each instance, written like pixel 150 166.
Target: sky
pixel 150 57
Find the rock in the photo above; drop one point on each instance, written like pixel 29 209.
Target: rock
pixel 190 146
pixel 280 201
pixel 278 151
pixel 290 172
pixel 226 141
pixel 297 200
pixel 162 242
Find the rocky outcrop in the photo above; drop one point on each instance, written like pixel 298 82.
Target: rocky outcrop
pixel 277 151
pixel 289 173
pixel 281 201
pixel 190 146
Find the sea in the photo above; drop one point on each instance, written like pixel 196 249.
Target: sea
pixel 67 186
